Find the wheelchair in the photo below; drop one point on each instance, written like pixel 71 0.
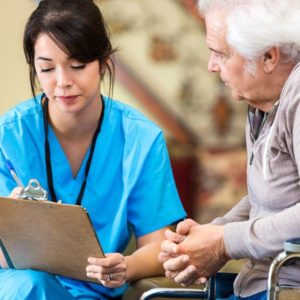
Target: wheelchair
pixel 164 288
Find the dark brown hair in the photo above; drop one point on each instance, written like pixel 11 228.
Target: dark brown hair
pixel 77 27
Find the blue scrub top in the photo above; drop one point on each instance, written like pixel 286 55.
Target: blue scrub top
pixel 130 186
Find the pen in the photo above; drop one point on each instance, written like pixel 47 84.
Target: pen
pixel 13 173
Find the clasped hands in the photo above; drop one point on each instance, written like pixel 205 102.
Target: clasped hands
pixel 193 253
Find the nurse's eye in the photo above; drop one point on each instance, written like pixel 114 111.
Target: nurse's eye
pixel 79 67
pixel 45 70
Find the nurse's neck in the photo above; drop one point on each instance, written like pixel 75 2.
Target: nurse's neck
pixel 75 125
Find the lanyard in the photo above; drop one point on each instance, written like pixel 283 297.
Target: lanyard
pixel 48 155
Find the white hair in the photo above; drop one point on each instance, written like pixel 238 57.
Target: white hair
pixel 255 26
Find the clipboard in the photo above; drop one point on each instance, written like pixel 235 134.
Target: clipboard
pixel 46 236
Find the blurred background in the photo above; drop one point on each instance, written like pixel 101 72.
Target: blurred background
pixel 161 69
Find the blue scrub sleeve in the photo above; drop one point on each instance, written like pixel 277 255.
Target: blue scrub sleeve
pixel 154 202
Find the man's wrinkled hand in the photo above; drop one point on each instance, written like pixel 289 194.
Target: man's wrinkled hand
pixel 205 247
pixel 194 252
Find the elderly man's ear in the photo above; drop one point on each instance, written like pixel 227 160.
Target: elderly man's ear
pixel 270 59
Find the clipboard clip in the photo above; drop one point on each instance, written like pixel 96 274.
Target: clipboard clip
pixel 34 191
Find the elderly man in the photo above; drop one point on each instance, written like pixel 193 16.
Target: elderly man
pixel 255 47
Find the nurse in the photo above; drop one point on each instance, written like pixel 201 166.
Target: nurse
pixel 88 149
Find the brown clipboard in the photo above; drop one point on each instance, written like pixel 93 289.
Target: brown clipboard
pixel 51 237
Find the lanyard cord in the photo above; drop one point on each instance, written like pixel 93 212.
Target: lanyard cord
pixel 48 155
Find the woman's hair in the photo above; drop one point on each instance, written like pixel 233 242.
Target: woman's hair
pixel 77 27
pixel 255 26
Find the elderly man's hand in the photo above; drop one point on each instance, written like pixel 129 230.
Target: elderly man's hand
pixel 174 238
pixel 193 252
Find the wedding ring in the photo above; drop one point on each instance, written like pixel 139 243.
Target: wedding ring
pixel 109 277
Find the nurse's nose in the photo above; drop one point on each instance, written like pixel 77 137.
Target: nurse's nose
pixel 63 78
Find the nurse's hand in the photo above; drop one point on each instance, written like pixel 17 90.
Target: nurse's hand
pixel 3 263
pixel 111 271
pixel 15 192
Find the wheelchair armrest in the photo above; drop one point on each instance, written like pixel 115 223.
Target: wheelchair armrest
pixel 291 252
pixel 186 293
pixel 162 287
pixel 292 245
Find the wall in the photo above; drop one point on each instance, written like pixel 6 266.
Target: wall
pixel 14 83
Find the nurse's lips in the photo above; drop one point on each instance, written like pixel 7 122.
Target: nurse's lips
pixel 66 99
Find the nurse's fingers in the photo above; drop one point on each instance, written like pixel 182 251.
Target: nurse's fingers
pixel 15 192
